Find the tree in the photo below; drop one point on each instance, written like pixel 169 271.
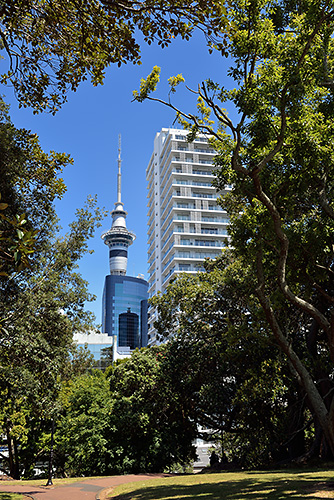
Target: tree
pixel 42 303
pixel 29 184
pixel 35 438
pixel 82 446
pixel 151 427
pixel 221 358
pixel 125 420
pixel 38 322
pixel 51 47
pixel 279 158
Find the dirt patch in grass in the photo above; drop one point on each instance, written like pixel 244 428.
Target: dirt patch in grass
pixel 321 489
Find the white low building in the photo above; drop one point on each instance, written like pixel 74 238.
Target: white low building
pixel 95 343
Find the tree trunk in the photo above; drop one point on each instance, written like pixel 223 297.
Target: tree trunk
pixel 317 403
pixel 14 470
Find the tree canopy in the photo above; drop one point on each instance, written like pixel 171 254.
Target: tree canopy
pixel 41 307
pixel 222 359
pixel 52 46
pixel 126 420
pixel 278 156
pixel 151 422
pixel 42 296
pixel 29 184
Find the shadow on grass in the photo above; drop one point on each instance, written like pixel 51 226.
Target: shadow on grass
pixel 244 489
pixel 4 495
pixel 11 496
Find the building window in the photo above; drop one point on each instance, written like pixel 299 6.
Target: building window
pixel 129 330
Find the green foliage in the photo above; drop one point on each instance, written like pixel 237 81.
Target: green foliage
pixel 51 47
pixel 278 156
pixel 222 363
pixel 147 86
pixel 174 81
pixel 18 243
pixel 81 437
pixel 29 183
pixel 42 296
pixel 151 428
pixel 127 420
pixel 82 360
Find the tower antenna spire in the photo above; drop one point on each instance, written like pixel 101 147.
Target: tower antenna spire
pixel 118 237
pixel 119 175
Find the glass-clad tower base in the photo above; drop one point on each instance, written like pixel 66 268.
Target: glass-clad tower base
pixel 124 312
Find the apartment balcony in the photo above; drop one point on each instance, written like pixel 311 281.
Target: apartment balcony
pixel 167 252
pixel 205 231
pixel 152 246
pixel 168 262
pixel 165 219
pixel 188 182
pixel 204 195
pixel 151 257
pixel 168 275
pixel 206 151
pixel 151 286
pixel 150 210
pixel 174 272
pixel 151 218
pixel 150 170
pixel 201 243
pixel 167 228
pixel 163 246
pixel 151 274
pixel 166 206
pixel 150 227
pixel 214 220
pixel 150 237
pixel 215 208
pixel 150 188
pixel 196 255
pixel 151 267
pixel 197 172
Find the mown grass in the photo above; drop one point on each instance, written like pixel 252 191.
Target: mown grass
pixel 55 481
pixel 274 485
pixel 12 496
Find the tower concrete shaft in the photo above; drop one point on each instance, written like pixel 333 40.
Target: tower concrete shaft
pixel 118 237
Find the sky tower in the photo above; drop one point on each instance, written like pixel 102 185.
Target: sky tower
pixel 118 237
pixel 124 301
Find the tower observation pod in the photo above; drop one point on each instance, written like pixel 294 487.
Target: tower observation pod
pixel 118 237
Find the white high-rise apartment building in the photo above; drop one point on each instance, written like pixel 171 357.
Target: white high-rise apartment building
pixel 185 224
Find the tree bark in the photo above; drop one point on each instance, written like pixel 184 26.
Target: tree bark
pixel 14 470
pixel 317 403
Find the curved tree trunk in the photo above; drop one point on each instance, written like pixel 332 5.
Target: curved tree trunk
pixel 324 416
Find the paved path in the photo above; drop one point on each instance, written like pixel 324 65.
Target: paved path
pixel 89 489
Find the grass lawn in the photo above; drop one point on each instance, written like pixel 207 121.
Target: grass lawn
pixel 12 496
pixel 251 485
pixel 55 481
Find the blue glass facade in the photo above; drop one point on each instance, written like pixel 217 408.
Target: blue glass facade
pixel 124 304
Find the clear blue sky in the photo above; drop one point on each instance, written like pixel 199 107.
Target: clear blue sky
pixel 87 127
